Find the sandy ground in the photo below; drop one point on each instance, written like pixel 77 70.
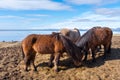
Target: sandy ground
pixel 12 65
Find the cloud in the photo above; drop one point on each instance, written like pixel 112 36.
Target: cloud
pixel 28 18
pixel 87 20
pixel 82 20
pixel 96 2
pixel 108 11
pixel 33 5
pixel 10 16
pixel 17 21
pixel 38 15
pixel 99 15
pixel 79 2
pixel 24 16
pixel 96 18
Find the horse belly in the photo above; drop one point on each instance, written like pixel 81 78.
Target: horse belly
pixel 44 49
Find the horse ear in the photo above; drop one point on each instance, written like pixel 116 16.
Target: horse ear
pixel 56 35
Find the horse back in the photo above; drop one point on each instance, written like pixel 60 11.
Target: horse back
pixel 108 31
pixel 103 35
pixel 48 44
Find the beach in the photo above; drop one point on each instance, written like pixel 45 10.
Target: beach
pixel 12 65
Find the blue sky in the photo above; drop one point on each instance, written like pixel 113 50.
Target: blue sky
pixel 44 14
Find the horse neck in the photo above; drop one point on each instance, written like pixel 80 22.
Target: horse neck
pixel 83 40
pixel 78 39
pixel 70 47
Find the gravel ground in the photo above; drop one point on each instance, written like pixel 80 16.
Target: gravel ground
pixel 12 65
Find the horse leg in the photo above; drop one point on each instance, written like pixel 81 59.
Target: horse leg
pixel 105 51
pixel 33 59
pixel 56 61
pixel 99 47
pixel 86 53
pixel 85 58
pixel 51 59
pixel 93 55
pixel 109 48
pixel 35 68
pixel 27 62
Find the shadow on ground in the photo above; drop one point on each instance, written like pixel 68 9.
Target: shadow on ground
pixel 68 63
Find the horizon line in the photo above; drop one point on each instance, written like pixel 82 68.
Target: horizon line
pixel 27 29
pixel 44 29
pixel 33 29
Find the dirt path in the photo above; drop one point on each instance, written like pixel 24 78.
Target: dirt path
pixel 11 65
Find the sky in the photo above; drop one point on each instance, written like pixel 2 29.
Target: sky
pixel 50 14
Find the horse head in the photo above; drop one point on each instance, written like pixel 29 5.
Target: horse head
pixel 73 50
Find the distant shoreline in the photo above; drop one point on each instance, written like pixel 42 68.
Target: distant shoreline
pixel 116 34
pixel 15 41
pixel 11 35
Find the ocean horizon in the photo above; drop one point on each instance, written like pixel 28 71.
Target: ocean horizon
pixel 8 35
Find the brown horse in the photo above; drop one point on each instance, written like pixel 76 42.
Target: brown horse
pixel 54 44
pixel 72 34
pixel 95 37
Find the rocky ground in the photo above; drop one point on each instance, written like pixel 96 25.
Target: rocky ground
pixel 12 65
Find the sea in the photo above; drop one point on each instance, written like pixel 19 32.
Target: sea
pixel 19 35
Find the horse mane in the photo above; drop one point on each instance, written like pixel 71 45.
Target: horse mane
pixel 56 35
pixel 71 48
pixel 85 38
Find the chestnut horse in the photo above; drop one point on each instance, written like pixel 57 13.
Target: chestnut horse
pixel 54 44
pixel 95 37
pixel 72 34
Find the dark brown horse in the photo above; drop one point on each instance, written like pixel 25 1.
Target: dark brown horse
pixel 54 44
pixel 95 37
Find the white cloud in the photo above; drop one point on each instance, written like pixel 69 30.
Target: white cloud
pixel 84 1
pixel 38 15
pixel 23 16
pixel 93 17
pixel 96 2
pixel 10 16
pixel 88 20
pixel 99 17
pixel 108 11
pixel 15 21
pixel 33 5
